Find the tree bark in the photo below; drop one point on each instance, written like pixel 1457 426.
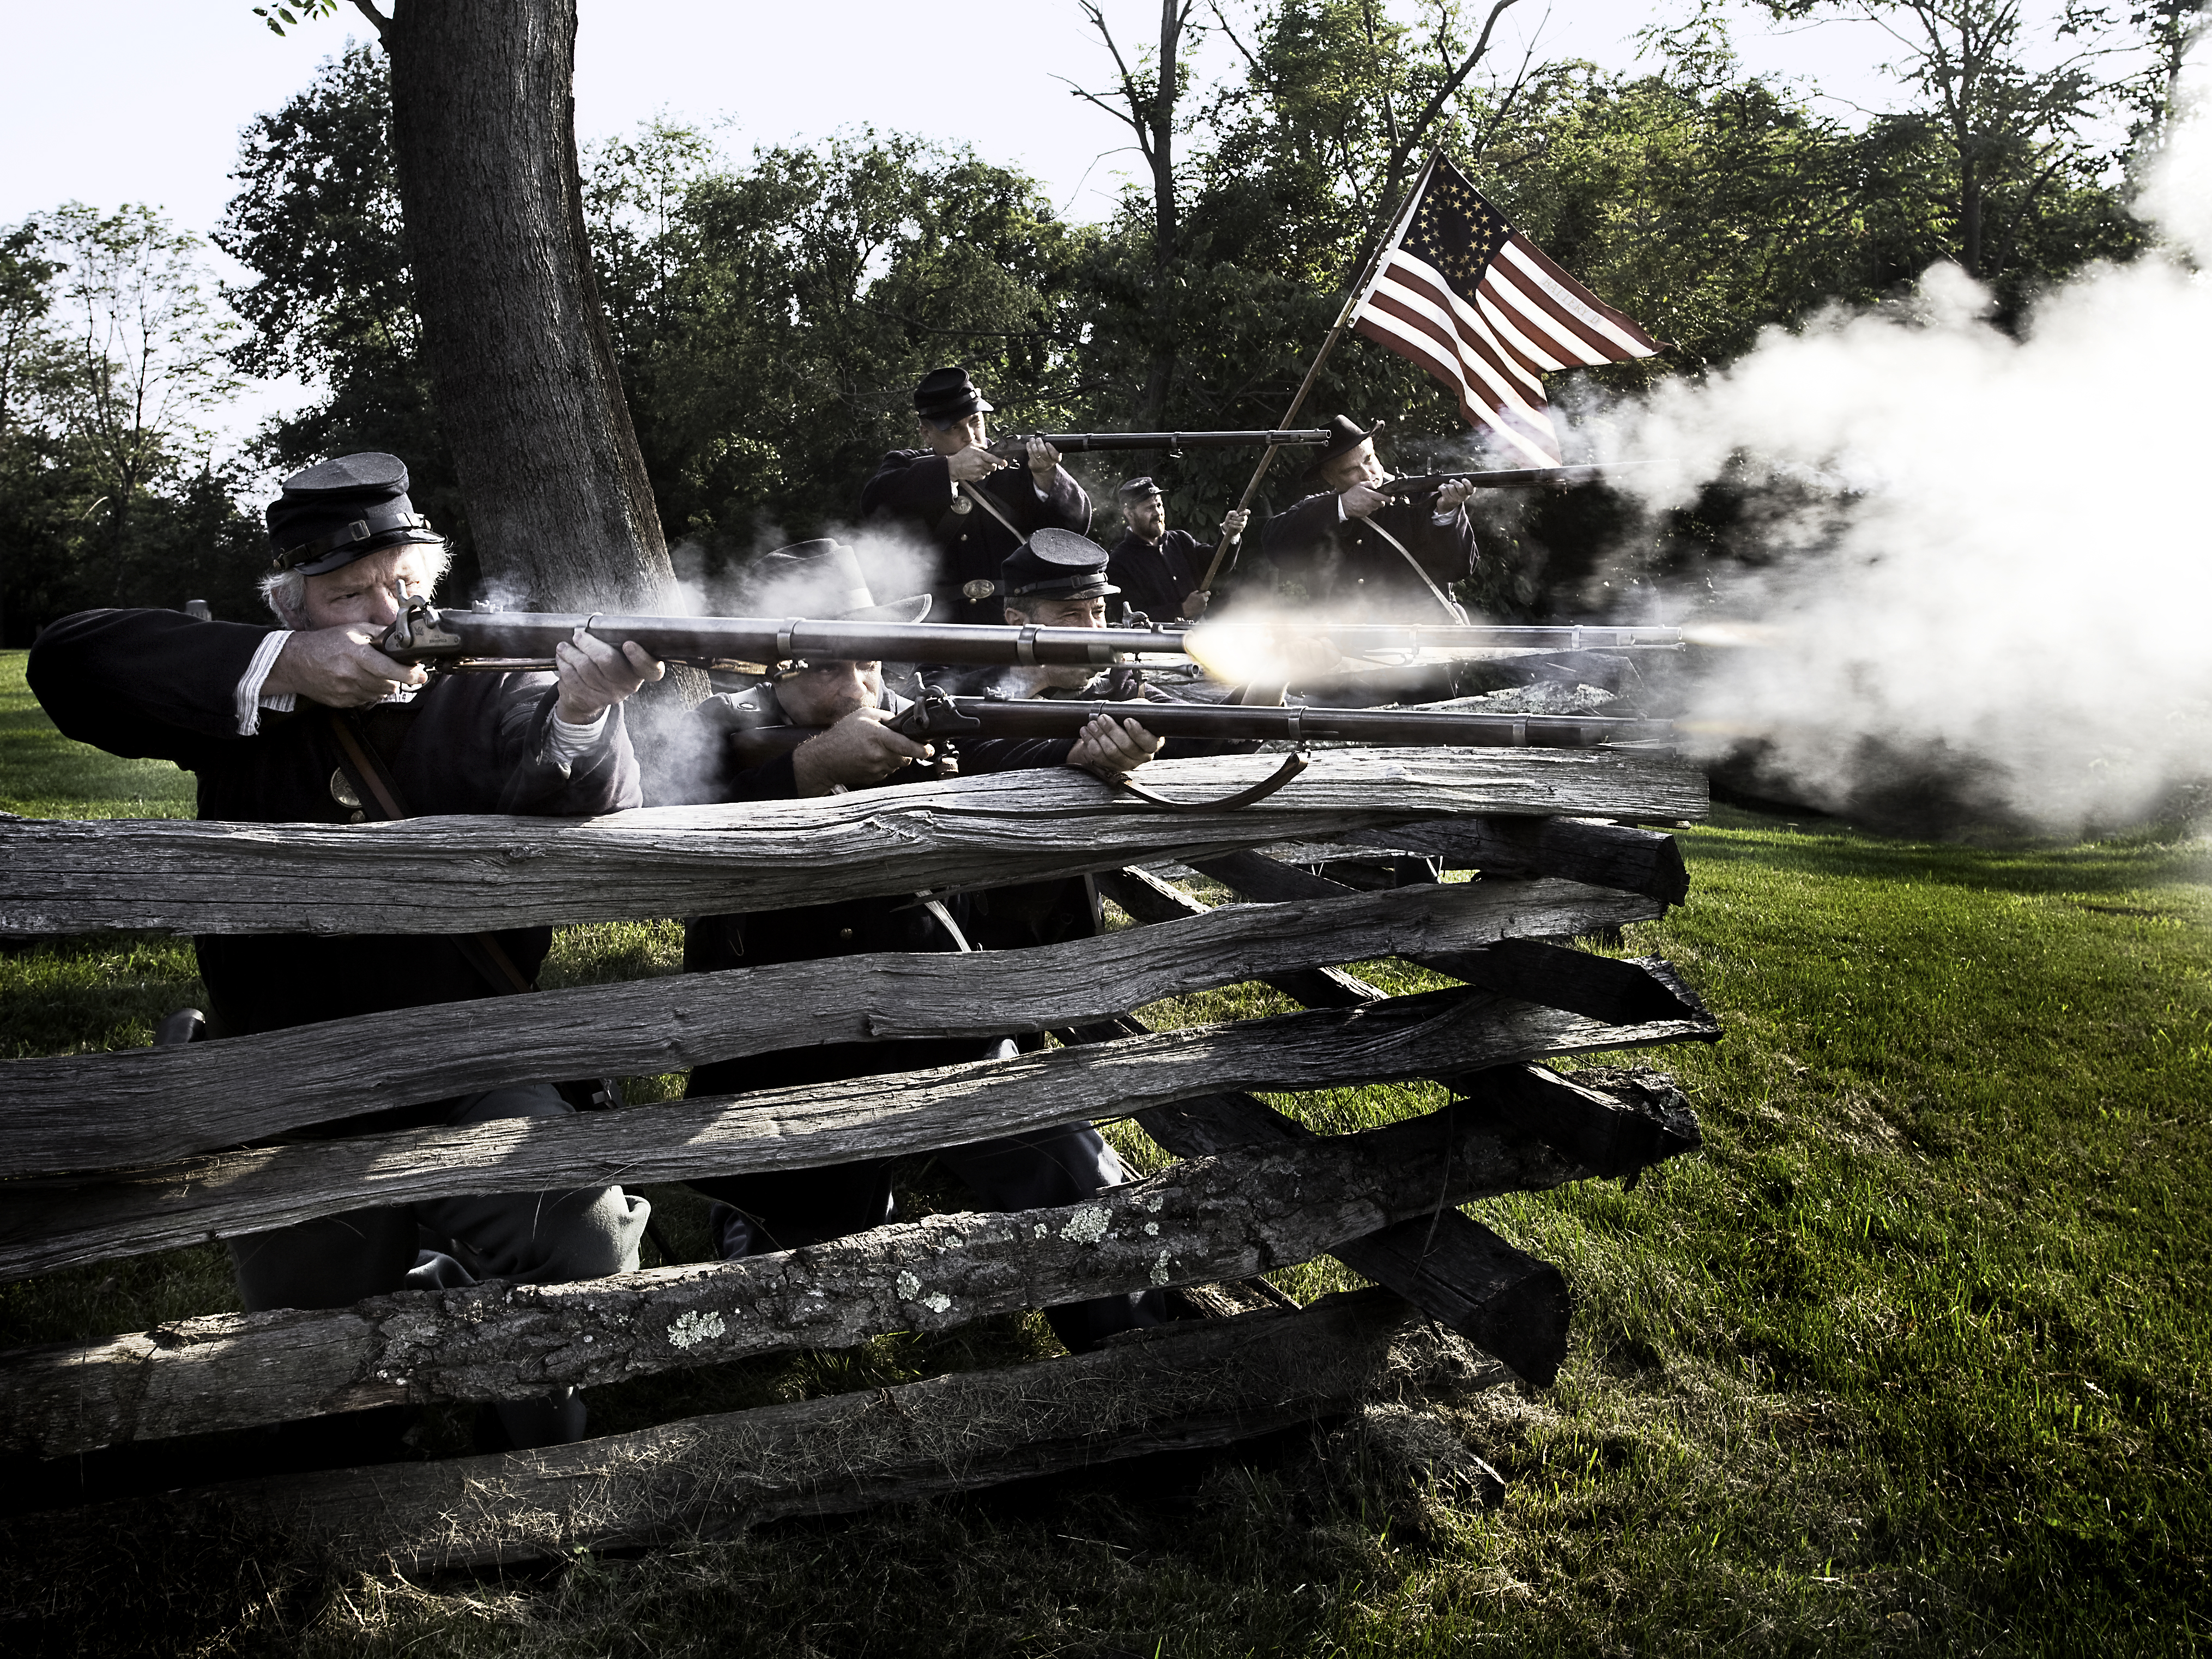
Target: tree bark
pixel 1260 1201
pixel 483 132
pixel 459 874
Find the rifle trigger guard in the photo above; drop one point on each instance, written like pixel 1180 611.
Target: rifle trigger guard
pixel 1293 764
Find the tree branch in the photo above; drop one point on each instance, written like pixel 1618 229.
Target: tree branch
pixel 1443 95
pixel 382 23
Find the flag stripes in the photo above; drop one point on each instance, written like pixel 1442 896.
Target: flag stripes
pixel 1484 310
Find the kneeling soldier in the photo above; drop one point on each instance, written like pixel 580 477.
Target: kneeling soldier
pixel 784 1210
pixel 309 722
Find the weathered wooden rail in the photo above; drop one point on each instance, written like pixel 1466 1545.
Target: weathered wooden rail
pixel 457 875
pixel 115 1155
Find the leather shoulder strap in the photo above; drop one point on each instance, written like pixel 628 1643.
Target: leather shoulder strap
pixel 375 784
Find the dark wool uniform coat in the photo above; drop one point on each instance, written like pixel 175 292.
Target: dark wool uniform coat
pixel 913 489
pixel 1343 562
pixel 1001 919
pixel 1155 577
pixel 160 684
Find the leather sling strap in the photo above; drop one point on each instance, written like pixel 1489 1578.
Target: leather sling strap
pixel 991 506
pixel 482 951
pixel 1440 596
pixel 485 953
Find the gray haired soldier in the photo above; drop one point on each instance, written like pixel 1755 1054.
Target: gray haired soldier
pixel 309 722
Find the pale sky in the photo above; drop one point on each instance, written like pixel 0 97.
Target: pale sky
pixel 143 100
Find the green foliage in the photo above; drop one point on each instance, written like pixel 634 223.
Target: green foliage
pixel 771 320
pixel 2015 180
pixel 317 216
pixel 111 355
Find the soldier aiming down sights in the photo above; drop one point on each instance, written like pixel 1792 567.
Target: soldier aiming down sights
pixel 966 502
pixel 311 722
pixel 852 743
pixel 1349 544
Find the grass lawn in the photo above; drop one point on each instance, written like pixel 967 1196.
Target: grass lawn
pixel 1912 1359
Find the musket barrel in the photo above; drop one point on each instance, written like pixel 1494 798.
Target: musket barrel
pixel 518 634
pixel 1510 478
pixel 1056 718
pixel 1076 442
pixel 772 640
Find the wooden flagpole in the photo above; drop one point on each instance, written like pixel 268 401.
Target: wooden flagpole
pixel 1343 320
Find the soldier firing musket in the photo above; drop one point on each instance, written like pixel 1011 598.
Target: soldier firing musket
pixel 964 499
pixel 937 717
pixel 506 640
pixel 1457 290
pixel 1350 543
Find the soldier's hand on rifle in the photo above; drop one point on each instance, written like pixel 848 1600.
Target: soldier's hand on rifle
pixel 1044 461
pixel 1112 748
pixel 971 464
pixel 859 750
pixel 595 677
pixel 1362 500
pixel 1453 496
pixel 340 667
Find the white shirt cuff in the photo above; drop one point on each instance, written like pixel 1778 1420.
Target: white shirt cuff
pixel 564 743
pixel 249 701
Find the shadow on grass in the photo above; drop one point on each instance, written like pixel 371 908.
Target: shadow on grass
pixel 1831 851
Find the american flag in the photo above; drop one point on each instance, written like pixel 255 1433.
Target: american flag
pixel 1477 304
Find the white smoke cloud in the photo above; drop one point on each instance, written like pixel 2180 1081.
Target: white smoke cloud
pixel 2009 563
pixel 894 565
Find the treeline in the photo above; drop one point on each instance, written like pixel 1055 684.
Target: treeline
pixel 770 316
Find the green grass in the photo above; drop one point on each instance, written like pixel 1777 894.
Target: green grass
pixel 1912 1359
pixel 44 776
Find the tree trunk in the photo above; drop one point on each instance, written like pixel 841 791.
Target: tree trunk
pixel 483 129
pixel 1167 233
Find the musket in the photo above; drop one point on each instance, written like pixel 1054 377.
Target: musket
pixel 938 717
pixel 1516 477
pixel 1015 446
pixel 514 639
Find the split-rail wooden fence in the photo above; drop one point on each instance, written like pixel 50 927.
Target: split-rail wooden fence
pixel 112 1155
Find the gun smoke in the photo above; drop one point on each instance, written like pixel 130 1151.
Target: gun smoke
pixel 1988 560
